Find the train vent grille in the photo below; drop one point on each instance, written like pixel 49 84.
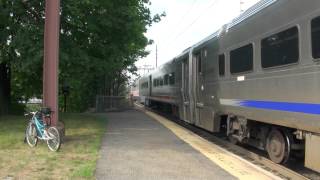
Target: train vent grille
pixel 251 11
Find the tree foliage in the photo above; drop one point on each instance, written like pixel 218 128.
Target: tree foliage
pixel 99 42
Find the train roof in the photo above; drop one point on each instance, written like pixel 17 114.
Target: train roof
pixel 258 7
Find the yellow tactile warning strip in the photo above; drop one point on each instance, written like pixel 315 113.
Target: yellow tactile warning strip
pixel 233 164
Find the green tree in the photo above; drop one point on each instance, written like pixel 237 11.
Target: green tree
pixel 100 41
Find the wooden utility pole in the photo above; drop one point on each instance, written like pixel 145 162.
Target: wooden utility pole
pixel 156 56
pixel 51 58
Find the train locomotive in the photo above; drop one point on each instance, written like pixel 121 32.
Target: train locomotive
pixel 257 80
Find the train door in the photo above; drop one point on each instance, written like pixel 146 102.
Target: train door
pixel 148 92
pixel 185 91
pixel 199 89
pixel 150 85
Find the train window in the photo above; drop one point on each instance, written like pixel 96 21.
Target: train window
pixel 172 78
pixel 315 30
pixel 144 85
pixel 154 83
pixel 166 79
pixel 205 53
pixel 199 62
pixel 200 65
pixel 221 65
pixel 280 49
pixel 161 82
pixel 241 59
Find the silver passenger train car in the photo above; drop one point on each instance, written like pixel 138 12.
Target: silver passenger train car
pixel 257 79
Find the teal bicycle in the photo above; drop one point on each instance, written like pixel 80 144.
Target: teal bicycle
pixel 39 128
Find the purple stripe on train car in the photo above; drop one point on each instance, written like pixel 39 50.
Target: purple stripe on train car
pixel 306 108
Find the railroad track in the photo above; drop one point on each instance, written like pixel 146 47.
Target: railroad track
pixel 292 173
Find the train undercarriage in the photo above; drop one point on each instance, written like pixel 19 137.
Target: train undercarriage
pixel 279 142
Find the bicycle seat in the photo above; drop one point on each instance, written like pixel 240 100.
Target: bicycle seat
pixel 46 111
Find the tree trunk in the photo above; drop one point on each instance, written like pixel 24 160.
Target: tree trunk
pixel 112 89
pixel 118 87
pixel 117 83
pixel 5 88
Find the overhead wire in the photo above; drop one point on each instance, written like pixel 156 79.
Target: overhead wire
pixel 194 21
pixel 167 45
pixel 181 20
pixel 187 12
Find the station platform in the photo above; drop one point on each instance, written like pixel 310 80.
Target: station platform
pixel 139 145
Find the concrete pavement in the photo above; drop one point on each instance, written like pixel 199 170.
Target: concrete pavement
pixel 138 147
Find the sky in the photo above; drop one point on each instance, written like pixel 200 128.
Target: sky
pixel 186 23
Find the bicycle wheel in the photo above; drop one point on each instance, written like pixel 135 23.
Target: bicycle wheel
pixel 31 135
pixel 54 141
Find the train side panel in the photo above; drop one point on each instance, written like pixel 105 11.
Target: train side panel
pixel 260 93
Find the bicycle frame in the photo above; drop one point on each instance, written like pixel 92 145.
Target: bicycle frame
pixel 40 128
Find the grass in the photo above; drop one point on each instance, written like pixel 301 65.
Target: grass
pixel 75 160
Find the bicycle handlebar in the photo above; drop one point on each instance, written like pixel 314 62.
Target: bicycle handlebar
pixel 29 113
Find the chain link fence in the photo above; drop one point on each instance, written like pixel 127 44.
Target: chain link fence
pixel 113 103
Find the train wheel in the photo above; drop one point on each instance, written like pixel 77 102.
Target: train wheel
pixel 278 146
pixel 232 139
